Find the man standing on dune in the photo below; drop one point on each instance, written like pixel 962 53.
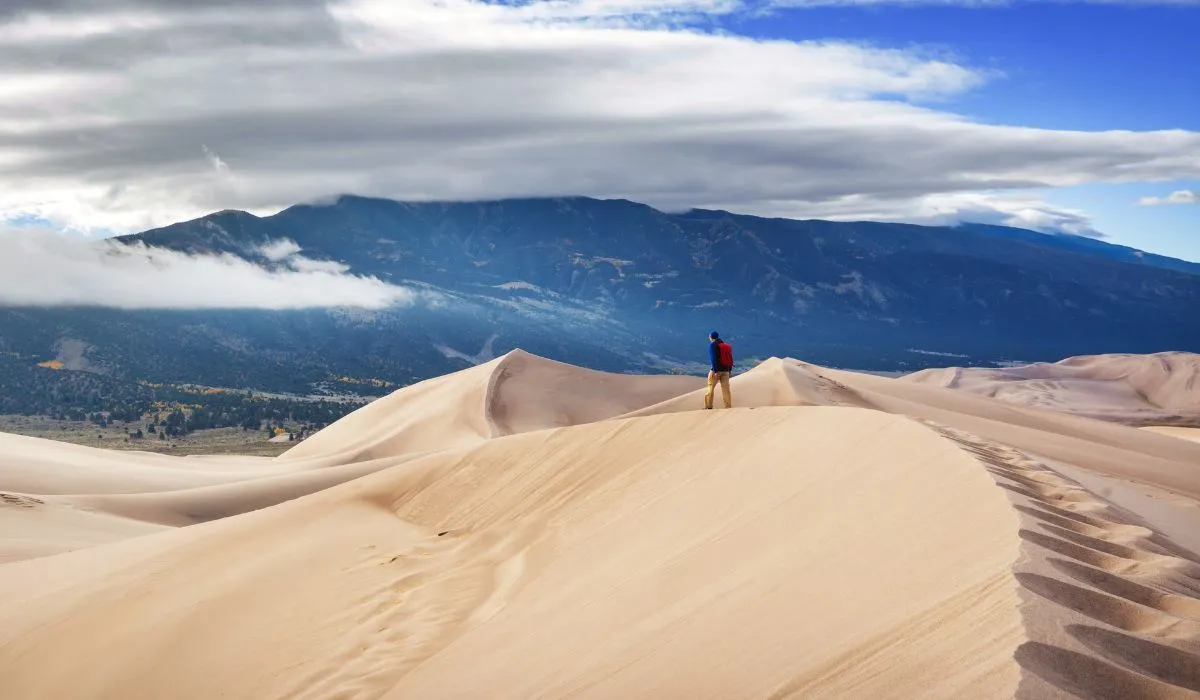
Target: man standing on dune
pixel 720 355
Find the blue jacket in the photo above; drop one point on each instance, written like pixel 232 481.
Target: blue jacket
pixel 714 357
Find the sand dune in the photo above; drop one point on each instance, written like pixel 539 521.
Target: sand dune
pixel 36 527
pixel 514 393
pixel 1142 389
pixel 35 465
pixel 525 529
pixel 1112 449
pixel 1192 434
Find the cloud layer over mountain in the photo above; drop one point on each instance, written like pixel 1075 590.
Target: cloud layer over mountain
pixel 43 269
pixel 151 111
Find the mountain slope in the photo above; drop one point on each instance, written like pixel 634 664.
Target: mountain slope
pixel 1083 244
pixel 618 285
pixel 965 288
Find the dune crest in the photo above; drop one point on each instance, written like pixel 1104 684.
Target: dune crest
pixel 1163 388
pixel 516 392
pixel 1192 434
pixel 527 528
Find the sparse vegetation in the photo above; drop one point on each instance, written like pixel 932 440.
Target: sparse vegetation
pixel 165 411
pixel 370 381
pixel 219 441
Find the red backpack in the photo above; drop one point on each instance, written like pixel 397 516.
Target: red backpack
pixel 725 354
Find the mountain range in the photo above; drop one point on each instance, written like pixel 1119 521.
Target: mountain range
pixel 621 286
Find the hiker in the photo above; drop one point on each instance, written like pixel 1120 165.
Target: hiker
pixel 720 354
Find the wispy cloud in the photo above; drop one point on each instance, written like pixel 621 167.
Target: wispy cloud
pixel 215 161
pixel 1176 197
pixel 280 250
pixel 154 111
pixel 47 269
pixel 1021 210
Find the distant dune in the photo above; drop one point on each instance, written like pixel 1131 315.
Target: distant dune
pixel 525 528
pixel 1192 434
pixel 1138 389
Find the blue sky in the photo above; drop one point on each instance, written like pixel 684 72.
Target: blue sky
pixel 1067 65
pixel 1062 65
pixel 1047 115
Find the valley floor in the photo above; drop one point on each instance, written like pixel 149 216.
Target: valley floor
pixel 218 441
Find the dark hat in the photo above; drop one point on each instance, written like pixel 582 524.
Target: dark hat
pixel 714 335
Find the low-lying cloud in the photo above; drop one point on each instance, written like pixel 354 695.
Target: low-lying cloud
pixel 44 269
pixel 1020 210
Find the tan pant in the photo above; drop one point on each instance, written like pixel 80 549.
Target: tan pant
pixel 713 379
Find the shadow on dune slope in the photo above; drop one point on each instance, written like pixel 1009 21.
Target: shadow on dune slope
pixel 527 528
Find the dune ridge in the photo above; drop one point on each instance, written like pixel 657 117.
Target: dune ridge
pixel 536 529
pixel 1182 433
pixel 1163 388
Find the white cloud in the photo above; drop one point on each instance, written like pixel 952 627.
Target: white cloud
pixel 327 266
pixel 1029 212
pixel 215 161
pixel 1176 197
pixel 462 99
pixel 39 268
pixel 279 250
pixel 1026 211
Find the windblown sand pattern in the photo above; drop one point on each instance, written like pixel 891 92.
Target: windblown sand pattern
pixel 528 529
